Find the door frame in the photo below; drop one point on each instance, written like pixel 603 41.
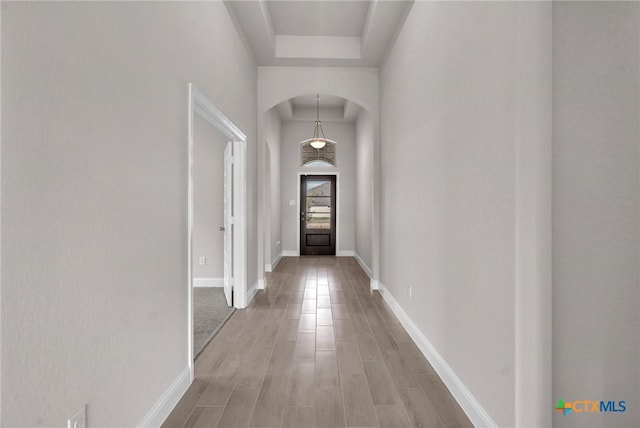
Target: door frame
pixel 227 224
pixel 338 205
pixel 200 104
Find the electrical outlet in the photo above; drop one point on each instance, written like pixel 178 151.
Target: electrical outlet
pixel 203 260
pixel 278 243
pixel 410 294
pixel 79 420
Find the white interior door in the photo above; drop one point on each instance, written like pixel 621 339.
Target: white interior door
pixel 228 223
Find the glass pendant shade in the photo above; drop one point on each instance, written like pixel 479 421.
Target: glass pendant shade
pixel 318 140
pixel 318 144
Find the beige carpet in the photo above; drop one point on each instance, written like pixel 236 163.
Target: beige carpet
pixel 210 311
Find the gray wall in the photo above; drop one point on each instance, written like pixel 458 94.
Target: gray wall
pixel 208 199
pixel 453 108
pixel 595 208
pixel 364 187
pixel 273 187
pixel 0 219
pixel 344 135
pixel 94 182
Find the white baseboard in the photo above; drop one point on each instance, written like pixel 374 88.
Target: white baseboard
pixel 274 263
pixel 208 282
pixel 345 253
pixel 374 284
pixel 290 253
pixel 163 407
pixel 364 266
pixel 252 291
pixel 474 410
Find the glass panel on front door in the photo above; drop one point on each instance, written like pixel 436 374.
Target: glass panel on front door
pixel 318 215
pixel 318 204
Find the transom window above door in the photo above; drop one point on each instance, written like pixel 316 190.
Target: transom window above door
pixel 323 157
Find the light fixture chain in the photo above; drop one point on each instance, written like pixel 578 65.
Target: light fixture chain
pixel 318 142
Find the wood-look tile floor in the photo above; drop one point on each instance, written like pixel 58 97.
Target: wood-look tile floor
pixel 315 349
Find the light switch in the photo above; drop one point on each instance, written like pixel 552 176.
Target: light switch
pixel 292 203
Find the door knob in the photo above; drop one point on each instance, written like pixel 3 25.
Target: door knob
pixel 221 229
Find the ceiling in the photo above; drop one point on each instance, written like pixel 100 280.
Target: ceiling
pixel 315 18
pixel 319 33
pixel 332 109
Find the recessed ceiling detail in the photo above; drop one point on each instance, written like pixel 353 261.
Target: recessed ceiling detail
pixel 318 18
pixel 319 33
pixel 332 109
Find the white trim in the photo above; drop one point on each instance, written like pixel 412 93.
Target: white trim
pixel 260 284
pixel 163 407
pixel 211 114
pixel 345 253
pixel 270 267
pixel 292 253
pixel 198 103
pixel 274 262
pixel 363 265
pixel 474 410
pixel 374 284
pixel 253 290
pixel 208 282
pixel 240 250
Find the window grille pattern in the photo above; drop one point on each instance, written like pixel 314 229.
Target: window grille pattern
pixel 325 156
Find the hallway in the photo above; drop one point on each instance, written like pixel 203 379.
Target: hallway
pixel 487 165
pixel 315 348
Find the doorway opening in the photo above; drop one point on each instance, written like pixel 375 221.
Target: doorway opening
pixel 318 215
pixel 212 232
pixel 230 146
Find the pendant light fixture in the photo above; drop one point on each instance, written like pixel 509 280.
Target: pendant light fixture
pixel 318 140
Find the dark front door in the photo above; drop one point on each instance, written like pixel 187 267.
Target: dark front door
pixel 318 215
